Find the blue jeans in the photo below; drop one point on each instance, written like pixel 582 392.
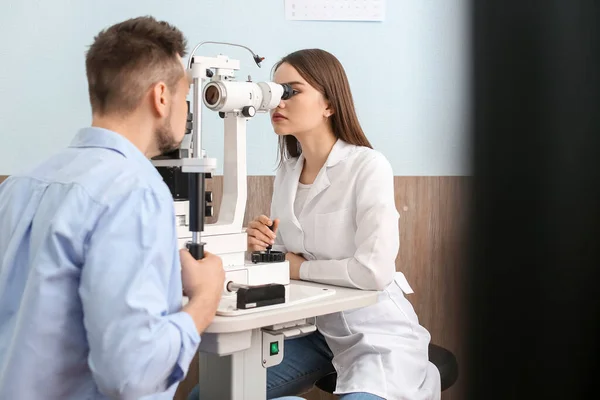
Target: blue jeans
pixel 195 395
pixel 305 360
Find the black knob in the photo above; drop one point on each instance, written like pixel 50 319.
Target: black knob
pixel 267 256
pixel 248 111
pixel 208 211
pixel 221 114
pixel 208 197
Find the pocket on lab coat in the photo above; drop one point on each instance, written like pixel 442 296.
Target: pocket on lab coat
pixel 384 317
pixel 333 218
pixel 333 234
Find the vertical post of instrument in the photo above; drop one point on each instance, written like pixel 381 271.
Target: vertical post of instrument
pixel 197 180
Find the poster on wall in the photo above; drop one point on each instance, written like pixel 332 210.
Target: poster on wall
pixel 335 10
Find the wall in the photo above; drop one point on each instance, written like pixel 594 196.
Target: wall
pixel 408 74
pixel 409 80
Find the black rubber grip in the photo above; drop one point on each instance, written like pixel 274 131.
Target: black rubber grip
pixel 196 250
pixel 197 204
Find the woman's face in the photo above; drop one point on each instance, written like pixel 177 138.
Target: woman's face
pixel 305 112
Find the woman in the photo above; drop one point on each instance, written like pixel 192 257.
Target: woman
pixel 334 216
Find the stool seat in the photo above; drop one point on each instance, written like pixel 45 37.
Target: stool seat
pixel 446 363
pixel 442 358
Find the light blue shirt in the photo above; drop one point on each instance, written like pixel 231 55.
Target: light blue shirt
pixel 90 280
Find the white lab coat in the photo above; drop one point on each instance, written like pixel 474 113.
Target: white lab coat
pixel 348 232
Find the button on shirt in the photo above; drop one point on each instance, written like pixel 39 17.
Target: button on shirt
pixel 90 280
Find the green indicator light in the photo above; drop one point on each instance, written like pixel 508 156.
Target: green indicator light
pixel 274 348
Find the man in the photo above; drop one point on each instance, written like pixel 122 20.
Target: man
pixel 90 275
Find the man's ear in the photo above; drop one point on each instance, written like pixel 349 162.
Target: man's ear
pixel 159 99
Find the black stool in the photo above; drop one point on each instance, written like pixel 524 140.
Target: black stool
pixel 442 358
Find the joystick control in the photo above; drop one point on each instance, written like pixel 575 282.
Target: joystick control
pixel 268 256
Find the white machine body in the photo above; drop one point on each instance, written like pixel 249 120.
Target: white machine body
pixel 230 96
pixel 227 237
pixel 231 247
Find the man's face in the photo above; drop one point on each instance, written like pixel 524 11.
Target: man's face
pixel 170 134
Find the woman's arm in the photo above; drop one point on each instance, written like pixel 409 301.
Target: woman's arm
pixel 372 266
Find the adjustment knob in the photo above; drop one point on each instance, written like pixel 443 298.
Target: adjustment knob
pixel 248 111
pixel 208 196
pixel 208 211
pixel 267 256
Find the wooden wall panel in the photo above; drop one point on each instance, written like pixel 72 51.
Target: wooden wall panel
pixel 432 226
pixel 432 221
pixel 260 189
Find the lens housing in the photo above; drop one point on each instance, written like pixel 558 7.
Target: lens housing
pixel 227 96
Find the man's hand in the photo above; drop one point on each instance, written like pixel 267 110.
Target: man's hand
pixel 203 282
pixel 295 262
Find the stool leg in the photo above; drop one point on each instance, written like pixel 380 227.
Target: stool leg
pixel 327 396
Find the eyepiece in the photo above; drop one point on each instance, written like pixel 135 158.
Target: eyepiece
pixel 287 91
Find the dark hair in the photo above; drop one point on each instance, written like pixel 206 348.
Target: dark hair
pixel 126 59
pixel 324 72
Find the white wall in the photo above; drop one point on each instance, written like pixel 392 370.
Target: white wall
pixel 408 74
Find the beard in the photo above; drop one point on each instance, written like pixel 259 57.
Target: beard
pixel 165 140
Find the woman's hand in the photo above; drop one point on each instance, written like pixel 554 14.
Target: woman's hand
pixel 259 234
pixel 295 262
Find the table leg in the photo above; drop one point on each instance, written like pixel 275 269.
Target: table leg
pixel 239 376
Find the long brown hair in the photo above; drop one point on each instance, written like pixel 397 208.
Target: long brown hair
pixel 324 72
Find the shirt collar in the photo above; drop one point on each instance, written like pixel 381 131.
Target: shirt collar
pixel 107 139
pixel 339 152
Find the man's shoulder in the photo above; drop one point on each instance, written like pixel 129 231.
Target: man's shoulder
pixel 105 176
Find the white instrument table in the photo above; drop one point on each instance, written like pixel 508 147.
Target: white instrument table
pixel 232 358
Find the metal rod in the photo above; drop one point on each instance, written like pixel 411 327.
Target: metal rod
pixel 234 287
pixel 254 55
pixel 197 120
